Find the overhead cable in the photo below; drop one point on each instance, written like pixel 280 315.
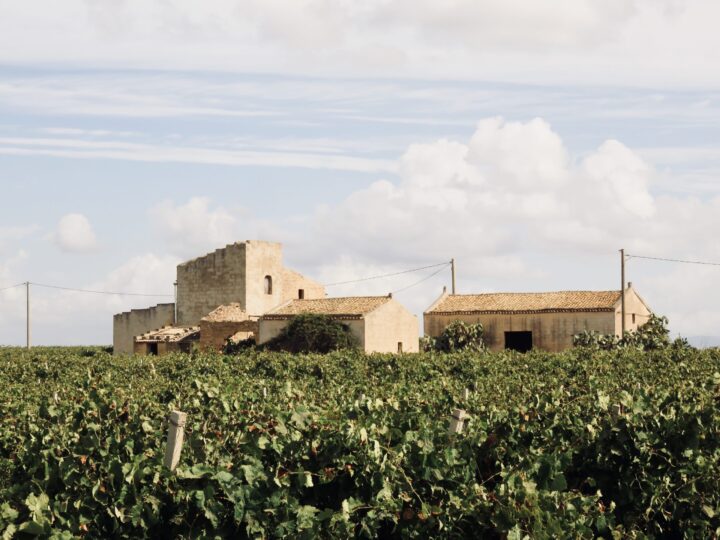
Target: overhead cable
pixel 387 275
pixel 423 279
pixel 96 292
pixel 628 256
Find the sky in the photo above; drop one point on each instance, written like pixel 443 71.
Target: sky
pixel 529 141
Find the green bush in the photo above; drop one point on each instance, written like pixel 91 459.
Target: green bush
pixel 653 335
pixel 316 333
pixel 237 347
pixel 460 336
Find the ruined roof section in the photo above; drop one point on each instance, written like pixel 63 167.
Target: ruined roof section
pixel 170 334
pixel 528 302
pixel 352 306
pixel 227 313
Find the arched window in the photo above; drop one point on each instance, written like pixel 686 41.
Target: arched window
pixel 268 284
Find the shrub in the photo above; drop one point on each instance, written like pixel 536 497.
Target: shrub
pixel 313 333
pixel 653 335
pixel 237 347
pixel 460 336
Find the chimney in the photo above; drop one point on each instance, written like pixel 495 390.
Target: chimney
pixel 389 295
pixel 629 284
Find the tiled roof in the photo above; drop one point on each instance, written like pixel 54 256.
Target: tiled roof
pixel 528 302
pixel 353 306
pixel 227 313
pixel 171 334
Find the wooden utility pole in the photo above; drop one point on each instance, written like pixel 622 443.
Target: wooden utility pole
pixel 452 270
pixel 27 313
pixel 622 291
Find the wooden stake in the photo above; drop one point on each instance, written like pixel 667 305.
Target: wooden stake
pixel 466 394
pixel 457 420
pixel 176 434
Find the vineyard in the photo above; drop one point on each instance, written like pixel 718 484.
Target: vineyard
pixel 610 444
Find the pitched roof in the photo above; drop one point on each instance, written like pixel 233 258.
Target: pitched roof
pixel 528 302
pixel 227 313
pixel 171 334
pixel 351 306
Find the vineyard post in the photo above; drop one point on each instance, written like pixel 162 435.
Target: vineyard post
pixel 457 420
pixel 622 292
pixel 176 433
pixel 466 394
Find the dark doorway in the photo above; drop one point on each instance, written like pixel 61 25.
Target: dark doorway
pixel 518 341
pixel 301 294
pixel 153 349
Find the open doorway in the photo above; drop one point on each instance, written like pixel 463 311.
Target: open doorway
pixel 152 349
pixel 518 341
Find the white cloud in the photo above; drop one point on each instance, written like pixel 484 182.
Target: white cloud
pixel 72 318
pixel 636 41
pixel 193 228
pixel 75 234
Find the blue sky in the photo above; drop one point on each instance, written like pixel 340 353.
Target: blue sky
pixel 138 134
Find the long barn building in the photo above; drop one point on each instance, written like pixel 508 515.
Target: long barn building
pixel 545 320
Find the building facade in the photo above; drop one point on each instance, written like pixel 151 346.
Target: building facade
pixel 250 274
pixel 546 321
pixel 380 323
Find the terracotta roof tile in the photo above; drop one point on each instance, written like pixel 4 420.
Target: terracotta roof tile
pixel 351 306
pixel 528 302
pixel 227 313
pixel 170 334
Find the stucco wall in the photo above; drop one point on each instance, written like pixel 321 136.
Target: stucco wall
pixel 551 331
pixel 389 325
pixel 633 306
pixel 270 328
pixel 138 321
pixel 210 281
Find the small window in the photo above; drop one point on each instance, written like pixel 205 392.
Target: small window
pixel 633 318
pixel 268 284
pixel 301 294
pixel 399 347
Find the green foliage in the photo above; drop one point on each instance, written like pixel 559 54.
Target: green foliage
pixel 313 333
pixel 460 336
pixel 653 335
pixel 237 347
pixel 583 444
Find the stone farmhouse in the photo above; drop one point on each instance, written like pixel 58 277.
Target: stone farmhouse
pixel 546 321
pixel 380 323
pixel 248 275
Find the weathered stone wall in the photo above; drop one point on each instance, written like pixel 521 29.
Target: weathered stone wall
pixel 132 323
pixel 237 273
pixel 389 325
pixel 207 282
pixel 551 331
pixel 213 334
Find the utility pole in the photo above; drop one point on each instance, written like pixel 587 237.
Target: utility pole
pixel 27 312
pixel 452 269
pixel 622 291
pixel 176 307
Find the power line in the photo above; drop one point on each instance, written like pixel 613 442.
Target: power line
pixel 387 275
pixel 12 287
pixel 628 256
pixel 95 292
pixel 436 272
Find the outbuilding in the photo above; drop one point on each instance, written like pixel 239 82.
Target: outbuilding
pixel 228 321
pixel 542 320
pixel 166 340
pixel 380 323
